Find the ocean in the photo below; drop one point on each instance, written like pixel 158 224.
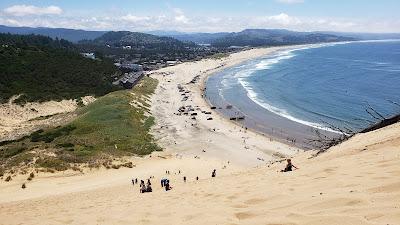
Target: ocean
pixel 295 92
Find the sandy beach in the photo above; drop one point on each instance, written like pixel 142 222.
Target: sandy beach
pixel 353 183
pixel 219 137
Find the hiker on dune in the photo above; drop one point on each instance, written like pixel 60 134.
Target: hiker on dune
pixel 289 166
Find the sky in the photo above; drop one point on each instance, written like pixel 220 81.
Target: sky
pixel 381 16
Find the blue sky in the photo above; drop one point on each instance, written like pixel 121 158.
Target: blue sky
pixel 205 15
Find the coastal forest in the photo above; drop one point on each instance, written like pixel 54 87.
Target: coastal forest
pixel 40 69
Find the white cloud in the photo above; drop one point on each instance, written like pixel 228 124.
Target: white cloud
pixel 180 16
pixel 134 19
pixel 290 1
pixel 283 19
pixel 23 10
pixel 176 19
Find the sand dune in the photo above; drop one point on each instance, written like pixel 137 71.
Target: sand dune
pixel 17 120
pixel 355 183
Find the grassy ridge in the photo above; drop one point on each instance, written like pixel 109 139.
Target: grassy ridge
pixel 114 125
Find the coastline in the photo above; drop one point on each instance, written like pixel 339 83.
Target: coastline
pixel 217 137
pixel 261 121
pixel 233 88
pixel 247 190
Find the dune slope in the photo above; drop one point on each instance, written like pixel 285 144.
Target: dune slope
pixel 354 183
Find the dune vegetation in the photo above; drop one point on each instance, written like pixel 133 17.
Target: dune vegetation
pixel 116 124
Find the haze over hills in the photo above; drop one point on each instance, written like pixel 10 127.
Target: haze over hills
pixel 249 36
pixel 72 35
pixel 208 38
pixel 366 36
pixel 262 37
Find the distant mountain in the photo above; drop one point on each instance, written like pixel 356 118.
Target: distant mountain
pixel 201 38
pixel 60 33
pixel 366 36
pixel 256 37
pixel 273 37
pixel 137 40
pixel 165 33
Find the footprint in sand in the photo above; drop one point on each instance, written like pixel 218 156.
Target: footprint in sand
pixel 255 201
pixel 192 216
pixel 240 206
pixel 336 203
pixel 389 188
pixel 330 170
pixel 244 215
pixel 231 197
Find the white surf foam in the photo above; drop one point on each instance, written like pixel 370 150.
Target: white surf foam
pixel 283 113
pixel 266 64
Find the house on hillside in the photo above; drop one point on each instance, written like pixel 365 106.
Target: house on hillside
pixel 131 79
pixel 172 63
pixel 88 55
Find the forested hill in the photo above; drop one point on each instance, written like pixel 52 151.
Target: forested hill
pixel 138 40
pixel 67 34
pixel 274 37
pixel 44 69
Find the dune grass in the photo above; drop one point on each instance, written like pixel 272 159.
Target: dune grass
pixel 112 126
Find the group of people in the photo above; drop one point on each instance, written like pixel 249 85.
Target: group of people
pixel 145 188
pixel 165 183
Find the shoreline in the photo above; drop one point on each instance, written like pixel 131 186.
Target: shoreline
pixel 257 117
pixel 203 88
pixel 290 139
pixel 175 131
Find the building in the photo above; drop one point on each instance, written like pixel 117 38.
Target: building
pixel 131 79
pixel 89 55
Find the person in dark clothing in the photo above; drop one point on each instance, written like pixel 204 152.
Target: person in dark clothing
pixel 148 188
pixel 289 166
pixel 136 180
pixel 214 173
pixel 133 182
pixel 197 178
pixel 167 186
pixel 142 187
pixel 184 179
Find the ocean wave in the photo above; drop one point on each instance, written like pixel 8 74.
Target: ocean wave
pixel 283 113
pixel 288 54
pixel 266 64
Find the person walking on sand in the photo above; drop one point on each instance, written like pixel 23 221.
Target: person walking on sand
pixel 289 166
pixel 142 187
pixel 184 179
pixel 148 188
pixel 167 186
pixel 214 173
